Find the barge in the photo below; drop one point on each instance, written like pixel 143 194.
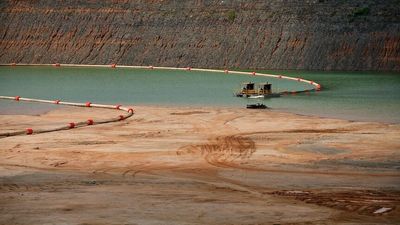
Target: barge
pixel 261 90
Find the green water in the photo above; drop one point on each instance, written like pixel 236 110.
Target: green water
pixel 354 96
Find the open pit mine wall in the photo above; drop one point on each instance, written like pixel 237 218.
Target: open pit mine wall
pixel 274 34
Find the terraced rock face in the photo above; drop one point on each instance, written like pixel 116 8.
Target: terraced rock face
pixel 313 35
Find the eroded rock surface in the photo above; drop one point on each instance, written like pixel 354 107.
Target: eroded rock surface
pixel 312 35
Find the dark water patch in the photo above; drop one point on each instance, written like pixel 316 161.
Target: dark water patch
pixel 315 148
pixel 361 163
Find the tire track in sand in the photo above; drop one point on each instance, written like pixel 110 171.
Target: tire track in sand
pixel 222 151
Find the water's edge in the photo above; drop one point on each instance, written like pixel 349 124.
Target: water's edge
pixel 350 96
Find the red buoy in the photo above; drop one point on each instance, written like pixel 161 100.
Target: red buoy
pixel 29 131
pixel 71 125
pixel 88 104
pixel 57 101
pixel 17 98
pixel 90 122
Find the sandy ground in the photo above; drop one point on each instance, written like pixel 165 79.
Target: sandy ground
pixel 175 165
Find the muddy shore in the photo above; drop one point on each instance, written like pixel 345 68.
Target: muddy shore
pixel 185 165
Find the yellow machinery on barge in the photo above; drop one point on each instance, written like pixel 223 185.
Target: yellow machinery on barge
pixel 252 90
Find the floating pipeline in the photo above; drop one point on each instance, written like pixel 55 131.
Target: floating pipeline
pixel 316 86
pixel 130 111
pixel 71 125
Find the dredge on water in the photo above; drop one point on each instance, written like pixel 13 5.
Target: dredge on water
pixel 261 90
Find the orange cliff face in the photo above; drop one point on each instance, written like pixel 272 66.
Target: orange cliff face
pixel 318 35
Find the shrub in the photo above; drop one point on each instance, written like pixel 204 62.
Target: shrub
pixel 361 11
pixel 231 15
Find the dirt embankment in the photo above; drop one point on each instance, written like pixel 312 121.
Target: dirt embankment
pixel 311 35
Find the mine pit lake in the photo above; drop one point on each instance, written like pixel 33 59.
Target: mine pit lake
pixel 359 96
